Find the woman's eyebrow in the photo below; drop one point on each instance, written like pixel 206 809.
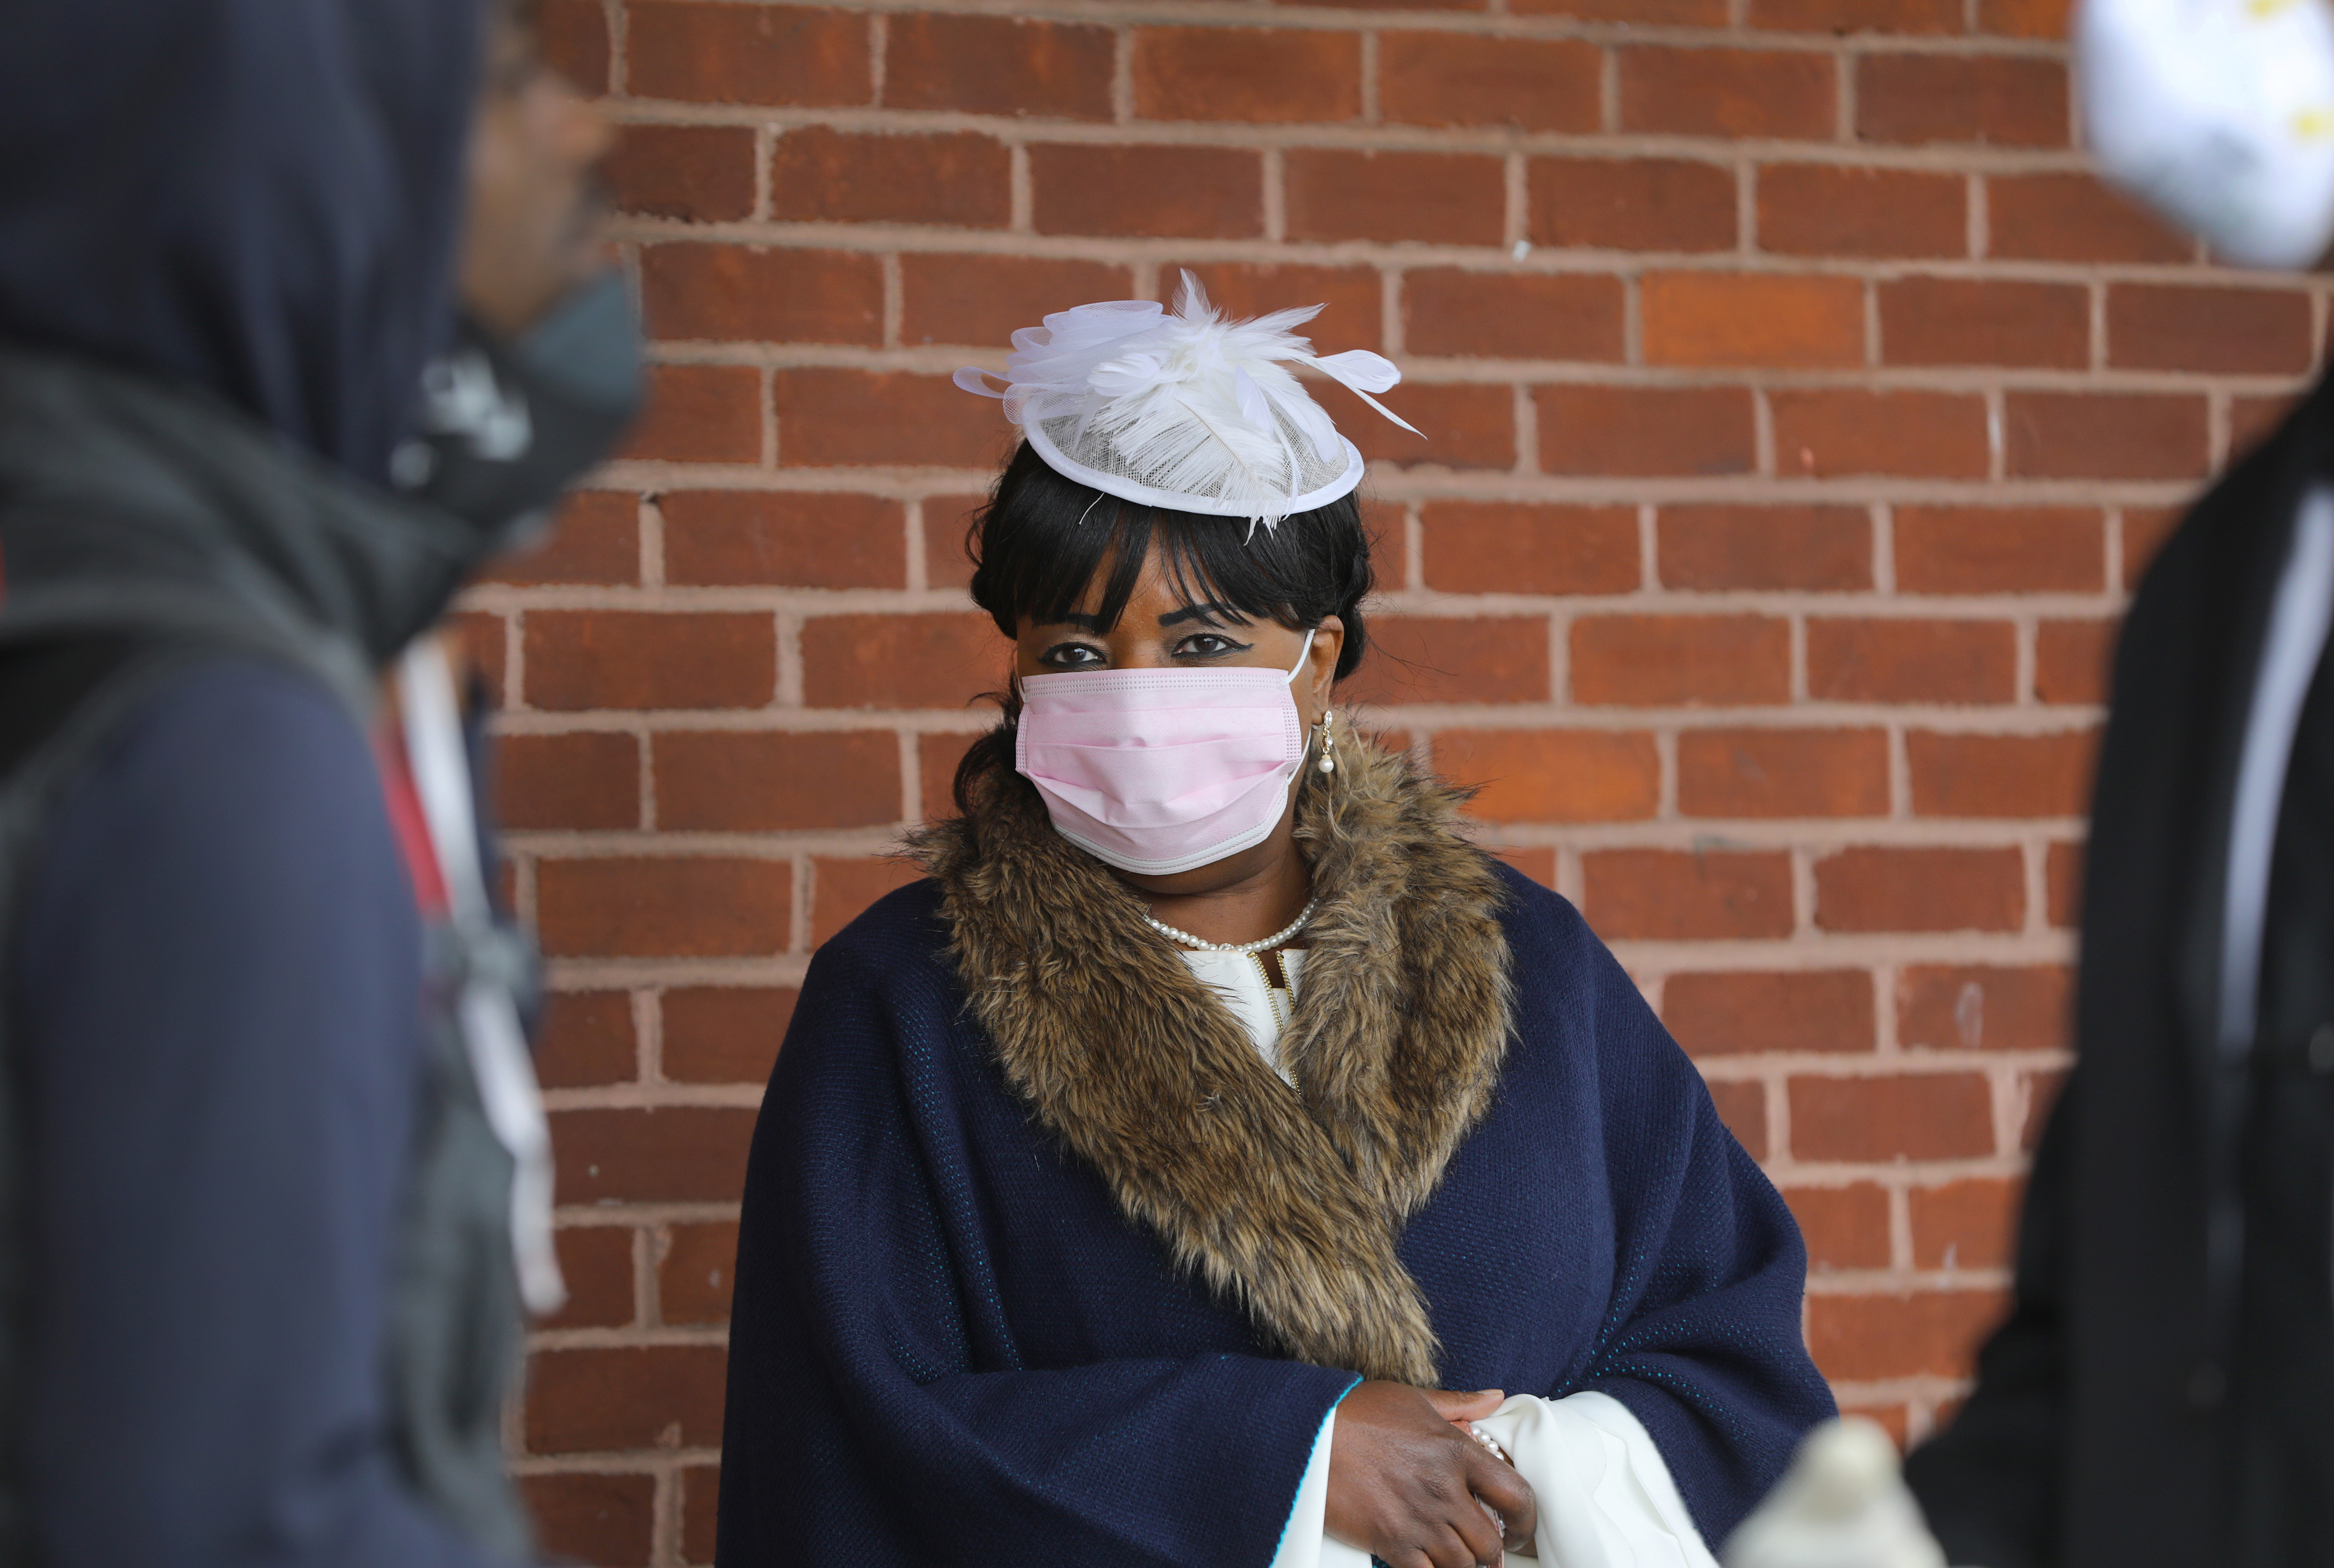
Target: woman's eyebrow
pixel 1213 614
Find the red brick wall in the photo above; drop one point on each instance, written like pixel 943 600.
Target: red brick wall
pixel 1798 411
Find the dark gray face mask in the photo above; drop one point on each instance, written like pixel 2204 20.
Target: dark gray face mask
pixel 505 427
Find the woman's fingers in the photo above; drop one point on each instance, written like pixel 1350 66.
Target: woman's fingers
pixel 1509 1493
pixel 1453 1405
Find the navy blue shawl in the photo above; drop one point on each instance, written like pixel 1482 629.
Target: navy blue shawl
pixel 948 1343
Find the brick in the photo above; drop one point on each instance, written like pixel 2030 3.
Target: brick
pixel 593 1401
pixel 636 907
pixel 1638 204
pixel 948 520
pixel 1640 13
pixel 1460 199
pixel 1470 78
pixel 1630 430
pixel 1256 75
pixel 1906 1116
pixel 1538 864
pixel 984 300
pixel 580 781
pixel 746 294
pixel 934 659
pixel 997 66
pixel 698 173
pixel 695 1276
pixel 2025 18
pixel 1782 773
pixel 1741 1105
pixel 1873 659
pixel 1920 890
pixel 937 759
pixel 1758 1011
pixel 1512 316
pixel 1999 100
pixel 700 1493
pixel 1461 425
pixel 722 53
pixel 1672 895
pixel 1553 775
pixel 793 539
pixel 2144 530
pixel 1857 16
pixel 1720 547
pixel 1922 1333
pixel 727 781
pixel 838 416
pixel 700 414
pixel 1971 1224
pixel 2000 550
pixel 2001 775
pixel 592 1515
pixel 652 1154
pixel 1351 317
pixel 1516 547
pixel 2074 218
pixel 961 179
pixel 621 658
pixel 1984 1008
pixel 844 889
pixel 1845 1228
pixel 1964 321
pixel 2071 660
pixel 2063 884
pixel 2234 331
pixel 594 538
pixel 1728 93
pixel 2252 420
pixel 1668 660
pixel 1147 192
pixel 575 38
pixel 724 1034
pixel 1761 319
pixel 1830 432
pixel 1453 658
pixel 476 639
pixel 1823 210
pixel 586 1039
pixel 596 1262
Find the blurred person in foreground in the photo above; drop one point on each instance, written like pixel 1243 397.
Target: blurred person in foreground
pixel 2162 1392
pixel 273 1177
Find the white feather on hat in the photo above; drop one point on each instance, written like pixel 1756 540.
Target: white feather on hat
pixel 1186 411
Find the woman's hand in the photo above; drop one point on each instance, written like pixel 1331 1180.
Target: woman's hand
pixel 1403 1479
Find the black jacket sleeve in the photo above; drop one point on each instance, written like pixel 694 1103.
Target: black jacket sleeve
pixel 216 988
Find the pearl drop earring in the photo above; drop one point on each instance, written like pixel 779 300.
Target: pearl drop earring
pixel 1328 762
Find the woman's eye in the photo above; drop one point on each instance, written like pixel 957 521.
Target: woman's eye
pixel 1070 656
pixel 1209 645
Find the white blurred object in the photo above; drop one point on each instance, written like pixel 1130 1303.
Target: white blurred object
pixel 2219 114
pixel 1843 1504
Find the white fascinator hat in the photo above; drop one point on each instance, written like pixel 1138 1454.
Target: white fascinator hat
pixel 1185 409
pixel 2219 114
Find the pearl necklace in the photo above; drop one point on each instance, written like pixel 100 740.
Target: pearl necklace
pixel 1240 950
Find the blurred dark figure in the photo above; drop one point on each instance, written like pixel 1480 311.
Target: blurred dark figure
pixel 304 315
pixel 2162 1392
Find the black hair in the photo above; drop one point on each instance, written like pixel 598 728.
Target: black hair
pixel 1042 537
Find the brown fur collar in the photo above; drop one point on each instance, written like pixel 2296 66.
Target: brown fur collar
pixel 1289 1202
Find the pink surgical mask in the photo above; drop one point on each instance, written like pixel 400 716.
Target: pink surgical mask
pixel 1156 771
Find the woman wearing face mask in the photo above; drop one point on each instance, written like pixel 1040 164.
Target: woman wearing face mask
pixel 1217 1160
